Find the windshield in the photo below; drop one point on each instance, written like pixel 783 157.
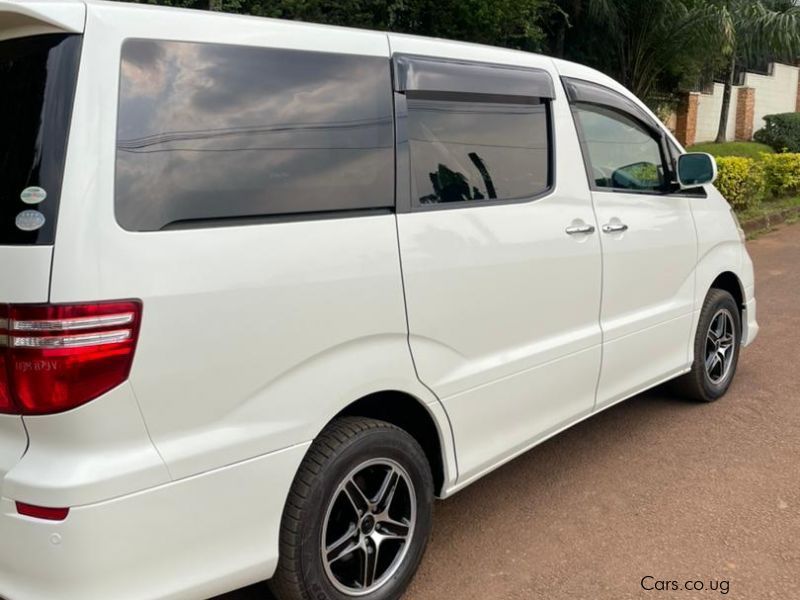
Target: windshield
pixel 37 85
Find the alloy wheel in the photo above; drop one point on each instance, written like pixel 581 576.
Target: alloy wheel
pixel 720 341
pixel 368 527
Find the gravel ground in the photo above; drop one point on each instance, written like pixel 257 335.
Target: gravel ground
pixel 655 487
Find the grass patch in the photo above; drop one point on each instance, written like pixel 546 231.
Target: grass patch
pixel 768 207
pixel 744 149
pixel 769 215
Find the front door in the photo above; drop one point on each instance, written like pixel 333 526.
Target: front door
pixel 649 249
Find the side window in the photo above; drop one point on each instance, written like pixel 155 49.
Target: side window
pixel 468 150
pixel 621 152
pixel 209 131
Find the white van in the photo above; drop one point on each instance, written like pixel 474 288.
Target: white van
pixel 268 288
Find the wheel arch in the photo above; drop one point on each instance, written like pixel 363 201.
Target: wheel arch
pixel 730 282
pixel 414 417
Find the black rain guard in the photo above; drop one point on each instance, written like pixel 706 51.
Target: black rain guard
pixel 425 74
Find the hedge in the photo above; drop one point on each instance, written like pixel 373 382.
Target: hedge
pixel 741 181
pixel 745 181
pixel 782 132
pixel 781 173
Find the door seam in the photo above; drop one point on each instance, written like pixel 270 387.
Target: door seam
pixel 411 352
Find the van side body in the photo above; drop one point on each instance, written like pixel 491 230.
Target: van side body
pixel 481 330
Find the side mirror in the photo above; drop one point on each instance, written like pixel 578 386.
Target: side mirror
pixel 695 169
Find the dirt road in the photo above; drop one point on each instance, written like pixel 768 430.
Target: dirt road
pixel 654 487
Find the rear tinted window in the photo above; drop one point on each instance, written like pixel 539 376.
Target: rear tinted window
pixel 467 151
pixel 209 132
pixel 37 85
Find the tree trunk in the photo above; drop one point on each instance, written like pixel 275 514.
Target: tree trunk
pixel 726 101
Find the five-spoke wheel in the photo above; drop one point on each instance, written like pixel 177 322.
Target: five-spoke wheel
pixel 358 515
pixel 367 526
pixel 719 345
pixel 716 348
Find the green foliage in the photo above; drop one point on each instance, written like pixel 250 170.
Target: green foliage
pixel 769 209
pixel 509 23
pixel 753 31
pixel 741 181
pixel 758 30
pixel 655 48
pixel 641 44
pixel 745 182
pixel 644 174
pixel 781 173
pixel 658 47
pixel 782 132
pixel 745 149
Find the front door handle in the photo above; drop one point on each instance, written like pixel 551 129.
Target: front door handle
pixel 614 227
pixel 576 229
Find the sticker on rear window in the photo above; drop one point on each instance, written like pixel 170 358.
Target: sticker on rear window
pixel 29 220
pixel 33 195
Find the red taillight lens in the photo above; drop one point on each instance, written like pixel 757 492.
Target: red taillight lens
pixel 55 357
pixel 6 406
pixel 41 512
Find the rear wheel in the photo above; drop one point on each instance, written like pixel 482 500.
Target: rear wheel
pixel 716 349
pixel 358 516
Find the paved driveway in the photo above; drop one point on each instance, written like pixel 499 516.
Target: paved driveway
pixel 654 487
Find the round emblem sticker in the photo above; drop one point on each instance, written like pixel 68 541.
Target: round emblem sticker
pixel 29 220
pixel 33 195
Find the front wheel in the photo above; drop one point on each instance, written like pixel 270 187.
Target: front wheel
pixel 358 516
pixel 716 349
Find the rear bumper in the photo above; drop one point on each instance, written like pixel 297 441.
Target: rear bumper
pixel 193 538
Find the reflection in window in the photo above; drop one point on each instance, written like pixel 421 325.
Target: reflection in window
pixel 473 151
pixel 623 153
pixel 211 131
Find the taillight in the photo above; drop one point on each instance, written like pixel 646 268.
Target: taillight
pixel 55 357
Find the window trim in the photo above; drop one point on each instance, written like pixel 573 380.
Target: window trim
pixel 404 200
pixel 581 91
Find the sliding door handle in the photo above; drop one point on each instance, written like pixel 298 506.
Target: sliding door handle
pixel 576 229
pixel 614 227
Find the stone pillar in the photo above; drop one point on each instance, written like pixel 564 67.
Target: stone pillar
pixel 686 119
pixel 745 108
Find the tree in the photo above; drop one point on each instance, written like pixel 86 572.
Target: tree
pixel 638 43
pixel 509 23
pixel 751 30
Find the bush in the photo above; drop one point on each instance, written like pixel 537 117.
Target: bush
pixel 745 149
pixel 781 173
pixel 741 181
pixel 782 132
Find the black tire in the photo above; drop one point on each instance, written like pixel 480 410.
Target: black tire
pixel 698 384
pixel 340 450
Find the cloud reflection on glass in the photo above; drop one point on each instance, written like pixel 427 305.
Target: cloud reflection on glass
pixel 210 131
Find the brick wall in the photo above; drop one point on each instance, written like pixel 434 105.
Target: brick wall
pixel 686 119
pixel 761 95
pixel 745 111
